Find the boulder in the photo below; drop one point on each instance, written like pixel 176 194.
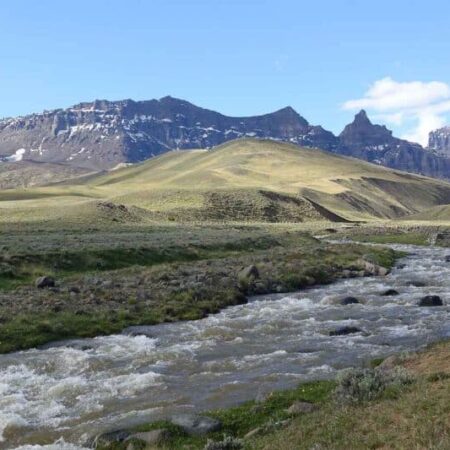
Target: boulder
pixel 301 408
pixel 390 292
pixel 417 283
pixel 249 272
pixel 44 282
pixel 109 438
pixel 447 258
pixel 255 432
pixel 196 425
pixel 349 301
pixel 431 300
pixel 372 269
pixel 139 331
pixel 153 437
pixel 344 331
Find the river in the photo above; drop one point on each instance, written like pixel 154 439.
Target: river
pixel 72 390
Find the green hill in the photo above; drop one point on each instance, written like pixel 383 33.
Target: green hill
pixel 244 180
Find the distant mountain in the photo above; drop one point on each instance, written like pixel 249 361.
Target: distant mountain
pixel 439 141
pixel 375 143
pixel 102 134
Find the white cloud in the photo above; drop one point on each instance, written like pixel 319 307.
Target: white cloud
pixel 421 105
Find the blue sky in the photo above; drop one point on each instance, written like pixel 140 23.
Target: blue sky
pixel 238 57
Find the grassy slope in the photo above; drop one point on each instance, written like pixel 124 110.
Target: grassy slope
pixel 416 419
pixel 439 213
pixel 181 182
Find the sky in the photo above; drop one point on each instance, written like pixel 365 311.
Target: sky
pixel 326 59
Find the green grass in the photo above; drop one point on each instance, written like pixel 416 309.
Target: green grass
pixel 393 238
pixel 35 329
pixel 23 269
pixel 239 420
pixel 286 262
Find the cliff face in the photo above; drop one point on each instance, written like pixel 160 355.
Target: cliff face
pixel 375 143
pixel 103 134
pixel 439 141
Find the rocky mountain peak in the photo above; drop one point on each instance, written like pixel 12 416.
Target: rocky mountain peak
pixel 361 118
pixel 363 132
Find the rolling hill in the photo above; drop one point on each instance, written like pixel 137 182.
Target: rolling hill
pixel 243 180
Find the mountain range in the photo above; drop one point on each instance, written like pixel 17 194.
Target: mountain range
pixel 101 135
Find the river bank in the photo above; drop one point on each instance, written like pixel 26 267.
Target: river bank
pixel 101 289
pixel 410 412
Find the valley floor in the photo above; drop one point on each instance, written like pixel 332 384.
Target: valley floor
pixel 106 280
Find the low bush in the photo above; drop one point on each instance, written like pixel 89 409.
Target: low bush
pixel 364 385
pixel 228 443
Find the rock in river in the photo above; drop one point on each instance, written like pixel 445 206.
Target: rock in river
pixel 431 300
pixel 343 331
pixel 349 301
pixel 390 292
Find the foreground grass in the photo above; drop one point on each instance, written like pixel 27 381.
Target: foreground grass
pixel 418 418
pixel 269 414
pixel 414 417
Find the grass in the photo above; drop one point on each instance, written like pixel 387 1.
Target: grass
pixel 244 180
pixel 34 329
pixel 23 269
pixel 287 260
pixel 416 418
pixel 416 238
pixel 238 421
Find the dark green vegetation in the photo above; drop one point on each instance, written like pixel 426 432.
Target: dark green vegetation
pixel 403 403
pixel 416 238
pixel 107 280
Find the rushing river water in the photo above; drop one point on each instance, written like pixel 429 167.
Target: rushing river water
pixel 77 388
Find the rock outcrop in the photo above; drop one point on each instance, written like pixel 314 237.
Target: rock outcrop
pixel 439 141
pixel 375 143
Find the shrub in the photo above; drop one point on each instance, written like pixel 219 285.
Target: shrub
pixel 363 385
pixel 228 443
